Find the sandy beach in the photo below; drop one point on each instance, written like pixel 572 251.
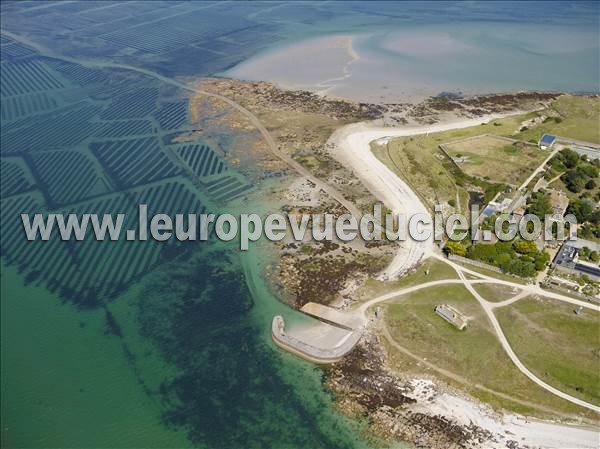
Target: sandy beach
pixel 506 427
pixel 351 147
pixel 410 63
pixel 317 64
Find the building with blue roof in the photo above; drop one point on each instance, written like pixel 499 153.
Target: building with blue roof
pixel 547 141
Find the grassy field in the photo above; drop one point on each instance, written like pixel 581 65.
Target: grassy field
pixel 560 347
pixel 418 161
pixel 430 270
pixel 486 272
pixel 496 159
pixel 495 292
pixel 473 354
pixel 578 118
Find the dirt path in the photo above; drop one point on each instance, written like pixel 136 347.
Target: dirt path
pixel 540 167
pixel 458 378
pixel 489 310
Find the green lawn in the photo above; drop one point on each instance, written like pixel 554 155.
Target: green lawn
pixel 495 292
pixel 474 353
pixel 496 159
pixel 560 347
pixel 430 270
pixel 579 119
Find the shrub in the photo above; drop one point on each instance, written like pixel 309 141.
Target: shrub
pixel 456 248
pixel 525 247
pixel 539 205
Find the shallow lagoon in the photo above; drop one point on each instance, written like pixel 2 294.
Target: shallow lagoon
pixel 414 61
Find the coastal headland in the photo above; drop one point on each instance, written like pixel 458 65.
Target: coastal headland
pixel 341 154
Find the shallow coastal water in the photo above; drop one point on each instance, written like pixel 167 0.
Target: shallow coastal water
pixel 413 61
pixel 162 366
pixel 66 381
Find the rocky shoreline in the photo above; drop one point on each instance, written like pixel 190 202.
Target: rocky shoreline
pixel 363 384
pixel 365 388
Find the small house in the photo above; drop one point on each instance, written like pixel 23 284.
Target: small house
pixel 547 141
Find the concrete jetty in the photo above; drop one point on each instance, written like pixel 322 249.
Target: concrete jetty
pixel 331 316
pixel 320 343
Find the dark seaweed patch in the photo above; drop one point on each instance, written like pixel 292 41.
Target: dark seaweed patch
pixel 227 393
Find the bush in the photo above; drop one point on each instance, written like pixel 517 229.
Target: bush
pixel 504 256
pixel 525 247
pixel 541 260
pixel 539 205
pixel 456 248
pixel 583 210
pixel 574 180
pixel 569 158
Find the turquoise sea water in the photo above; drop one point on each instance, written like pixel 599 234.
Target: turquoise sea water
pixel 172 363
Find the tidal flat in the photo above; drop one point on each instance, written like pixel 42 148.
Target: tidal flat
pixel 411 62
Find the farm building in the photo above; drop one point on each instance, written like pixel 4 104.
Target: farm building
pixel 451 315
pixel 547 141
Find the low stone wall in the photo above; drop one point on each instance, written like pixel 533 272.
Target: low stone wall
pixel 476 263
pixel 549 285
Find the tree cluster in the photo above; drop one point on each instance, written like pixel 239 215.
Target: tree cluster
pixel 579 172
pixel 520 257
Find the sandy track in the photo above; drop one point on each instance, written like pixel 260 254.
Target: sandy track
pixel 535 433
pixel 351 147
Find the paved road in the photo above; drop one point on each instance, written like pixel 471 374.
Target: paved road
pixel 582 143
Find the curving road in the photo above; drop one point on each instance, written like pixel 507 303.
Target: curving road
pixel 531 289
pixel 513 357
pixel 458 378
pixel 488 307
